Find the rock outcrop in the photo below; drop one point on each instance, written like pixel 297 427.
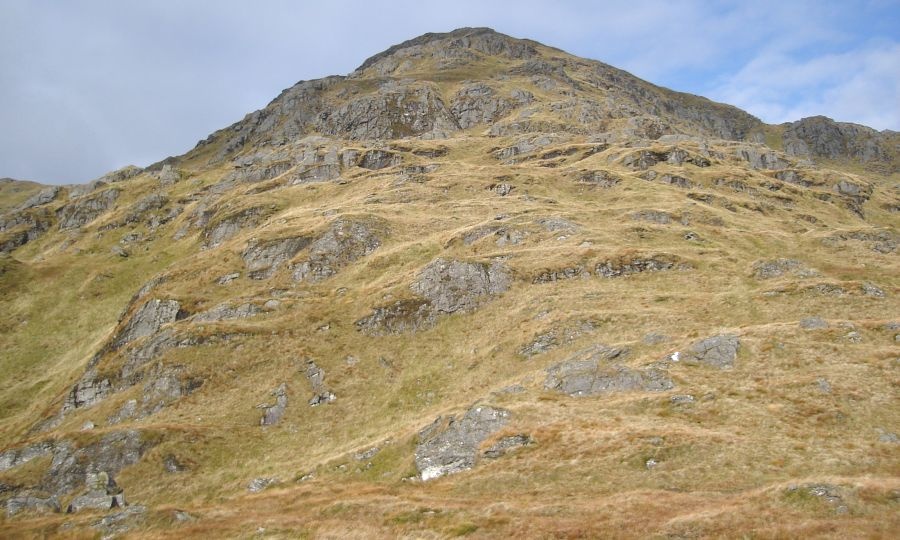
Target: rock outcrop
pixel 263 258
pixel 316 377
pixel 819 136
pixel 102 493
pixel 628 265
pixel 272 413
pixel 450 445
pixel 345 241
pixel 717 351
pixel 82 211
pixel 593 371
pixel 443 287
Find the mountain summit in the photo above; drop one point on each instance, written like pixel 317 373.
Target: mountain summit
pixel 477 287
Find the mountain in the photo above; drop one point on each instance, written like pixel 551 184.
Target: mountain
pixel 478 287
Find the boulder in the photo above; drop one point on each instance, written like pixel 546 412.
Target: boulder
pixel 316 377
pixel 272 413
pixel 717 351
pixel 259 484
pixel 102 493
pixel 451 446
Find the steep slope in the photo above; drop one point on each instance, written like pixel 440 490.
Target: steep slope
pixel 476 287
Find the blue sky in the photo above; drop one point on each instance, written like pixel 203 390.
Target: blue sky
pixel 89 86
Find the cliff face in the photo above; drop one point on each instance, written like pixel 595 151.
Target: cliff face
pixel 433 296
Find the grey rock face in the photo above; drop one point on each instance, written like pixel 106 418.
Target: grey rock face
pixel 443 287
pixel 86 393
pixel 111 453
pixel 44 196
pixel 262 259
pixel 378 159
pixel 163 387
pixel 451 446
pixel 153 347
pixel 478 103
pixel 589 372
pixel 19 456
pixel 227 312
pixel 146 205
pixel 881 241
pixel 398 318
pixel 102 494
pixel 716 351
pixel 635 265
pixel 390 113
pixel 23 227
pixel 761 157
pixel 148 320
pixel 571 272
pixel 80 190
pixel 32 500
pixel 345 241
pixel 512 154
pixel 168 175
pixel 316 377
pixel 556 337
pixel 645 159
pixel 601 179
pixel 819 136
pixel 218 231
pixel 120 175
pixel 452 286
pixel 780 267
pixel 272 413
pixel 84 210
pixel 461 43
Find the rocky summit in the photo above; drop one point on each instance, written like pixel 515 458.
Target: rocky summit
pixel 477 287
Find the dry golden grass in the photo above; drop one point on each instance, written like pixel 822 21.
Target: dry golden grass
pixel 724 462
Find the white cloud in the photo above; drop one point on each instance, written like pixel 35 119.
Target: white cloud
pixel 860 85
